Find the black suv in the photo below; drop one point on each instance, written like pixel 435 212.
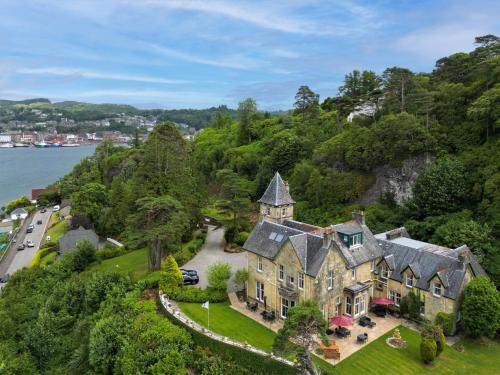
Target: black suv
pixel 190 277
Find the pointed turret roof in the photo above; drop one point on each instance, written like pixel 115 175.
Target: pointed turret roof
pixel 276 193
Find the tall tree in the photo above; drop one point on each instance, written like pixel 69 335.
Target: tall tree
pixel 247 109
pixel 163 222
pixel 398 83
pixel 302 324
pixel 306 103
pixel 236 191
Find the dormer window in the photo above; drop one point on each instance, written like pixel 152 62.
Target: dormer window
pixel 384 272
pixel 409 280
pixel 352 240
pixel 437 289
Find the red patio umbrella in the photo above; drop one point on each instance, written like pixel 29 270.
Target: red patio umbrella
pixel 382 301
pixel 341 320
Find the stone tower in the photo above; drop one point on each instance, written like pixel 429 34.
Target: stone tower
pixel 276 204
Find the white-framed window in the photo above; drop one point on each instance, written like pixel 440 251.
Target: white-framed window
pixel 322 307
pixel 283 211
pixel 384 272
pixel 281 272
pixel 348 305
pixel 285 305
pixel 437 289
pixel 359 305
pixel 291 280
pixel 337 306
pixel 372 268
pixel 259 291
pixel 330 279
pixel 356 240
pixel 409 280
pixel 353 273
pixel 395 296
pixel 259 264
pixel 300 280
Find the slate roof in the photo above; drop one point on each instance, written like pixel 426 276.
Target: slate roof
pixel 427 260
pixel 71 238
pixel 354 256
pixel 276 193
pixel 308 247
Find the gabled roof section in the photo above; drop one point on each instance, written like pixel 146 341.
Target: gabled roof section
pixel 19 211
pixel 427 261
pixel 276 193
pixel 354 256
pixel 267 238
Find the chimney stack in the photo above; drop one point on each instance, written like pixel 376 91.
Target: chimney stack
pixel 327 236
pixel 359 216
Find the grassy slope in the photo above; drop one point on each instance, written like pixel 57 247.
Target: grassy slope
pixel 379 358
pixel 134 263
pixel 57 230
pixel 231 323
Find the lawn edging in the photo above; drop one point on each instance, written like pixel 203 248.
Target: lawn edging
pixel 255 360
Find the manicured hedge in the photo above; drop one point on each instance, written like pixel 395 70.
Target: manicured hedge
pixel 254 363
pixel 192 294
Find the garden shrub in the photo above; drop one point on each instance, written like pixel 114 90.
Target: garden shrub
pixel 434 332
pixel 428 349
pixel 410 306
pixel 240 238
pixel 445 321
pixel 230 234
pixel 218 275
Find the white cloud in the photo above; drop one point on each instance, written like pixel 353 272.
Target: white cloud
pixel 237 62
pixel 61 71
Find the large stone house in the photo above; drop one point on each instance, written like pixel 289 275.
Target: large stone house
pixel 344 266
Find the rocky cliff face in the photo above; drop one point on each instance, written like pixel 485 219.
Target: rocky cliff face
pixel 395 181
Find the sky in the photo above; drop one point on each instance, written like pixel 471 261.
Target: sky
pixel 198 54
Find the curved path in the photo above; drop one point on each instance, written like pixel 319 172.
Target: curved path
pixel 211 252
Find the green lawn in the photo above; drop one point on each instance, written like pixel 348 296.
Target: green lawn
pixel 228 322
pixel 379 358
pixel 57 230
pixel 134 263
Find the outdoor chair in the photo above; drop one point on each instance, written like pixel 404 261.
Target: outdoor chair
pixel 366 322
pixel 252 306
pixel 362 338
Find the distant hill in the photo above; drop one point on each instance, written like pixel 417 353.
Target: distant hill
pixel 80 111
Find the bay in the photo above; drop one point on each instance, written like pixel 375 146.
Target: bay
pixel 23 169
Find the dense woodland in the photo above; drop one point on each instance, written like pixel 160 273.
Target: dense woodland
pixel 67 318
pixel 451 115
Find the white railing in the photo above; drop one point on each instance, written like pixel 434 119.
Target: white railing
pixel 172 308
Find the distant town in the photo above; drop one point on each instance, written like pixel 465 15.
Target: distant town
pixel 40 123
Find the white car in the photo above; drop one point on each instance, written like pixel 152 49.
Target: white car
pixel 56 208
pixel 30 243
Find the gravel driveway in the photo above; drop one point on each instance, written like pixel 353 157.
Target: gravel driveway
pixel 213 252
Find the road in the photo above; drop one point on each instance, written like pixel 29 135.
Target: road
pixel 213 252
pixel 15 260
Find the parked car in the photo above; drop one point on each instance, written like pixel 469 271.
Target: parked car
pixel 43 210
pixel 190 277
pixel 21 247
pixel 30 243
pixel 56 208
pixel 30 228
pixel 39 222
pixel 4 278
